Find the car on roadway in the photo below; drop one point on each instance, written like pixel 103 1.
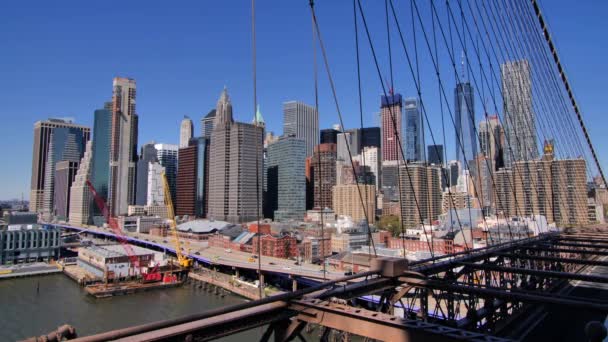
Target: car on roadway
pixel 271 263
pixel 286 268
pixel 228 250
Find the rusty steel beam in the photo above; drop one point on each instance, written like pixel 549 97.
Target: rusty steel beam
pixel 217 326
pixel 542 273
pixel 554 259
pixel 582 245
pixel 281 298
pixel 513 296
pixel 581 239
pixel 378 325
pixel 565 250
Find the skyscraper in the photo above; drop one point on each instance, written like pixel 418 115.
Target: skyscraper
pixel 42 137
pixel 465 124
pixel 123 148
pixel 100 162
pixel 207 124
pixel 390 112
pixel 421 194
pixel 185 196
pixel 370 137
pixel 301 121
pixel 324 170
pixel 167 157
pixel 491 140
pixel 186 131
pixel 435 153
pixel 235 166
pixel 519 119
pixel 414 130
pixel 344 145
pixel 80 195
pixel 329 136
pixel 65 144
pixel 286 191
pixel 148 155
pixel 192 178
pixel 65 171
pixel 156 190
pixel 347 201
pixel 370 157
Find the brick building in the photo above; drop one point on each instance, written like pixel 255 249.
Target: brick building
pixel 274 246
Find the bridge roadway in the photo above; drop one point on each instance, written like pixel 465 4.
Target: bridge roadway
pixel 201 253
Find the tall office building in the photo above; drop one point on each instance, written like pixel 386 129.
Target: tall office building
pixel 329 136
pixel 80 195
pixel 167 157
pixel 100 162
pixel 156 189
pixel 207 124
pixel 65 172
pixel 285 197
pixel 435 153
pixel 414 131
pixel 148 155
pixel 42 137
pixel 347 201
pixel 192 178
pixel 346 143
pixel 465 124
pixel 492 139
pixel 185 196
pixel 519 120
pixel 301 121
pixel 324 170
pixel 123 147
pixel 392 132
pixel 420 193
pixel 370 157
pixel 310 193
pixel 186 132
pixel 370 137
pixel 235 167
pixel 65 144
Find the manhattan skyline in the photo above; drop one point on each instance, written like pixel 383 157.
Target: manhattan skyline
pixel 182 64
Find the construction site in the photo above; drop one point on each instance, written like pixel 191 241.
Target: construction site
pixel 119 269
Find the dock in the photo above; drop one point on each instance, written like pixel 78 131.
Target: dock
pixel 124 288
pixel 28 270
pixel 208 279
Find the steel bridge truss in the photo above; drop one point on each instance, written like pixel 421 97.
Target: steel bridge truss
pixel 496 293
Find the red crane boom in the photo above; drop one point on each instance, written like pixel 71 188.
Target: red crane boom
pixel 133 259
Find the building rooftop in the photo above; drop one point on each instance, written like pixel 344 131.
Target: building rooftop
pixel 115 251
pixel 203 226
pixel 211 114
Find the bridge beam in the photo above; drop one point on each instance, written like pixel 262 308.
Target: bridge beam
pixel 378 325
pixel 542 273
pixel 514 256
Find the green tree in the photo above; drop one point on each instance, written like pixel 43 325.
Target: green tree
pixel 390 223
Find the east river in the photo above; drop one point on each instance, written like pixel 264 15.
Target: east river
pixel 38 305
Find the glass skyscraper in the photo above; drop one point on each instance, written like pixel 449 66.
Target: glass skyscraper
pixel 414 140
pixel 286 192
pixel 202 175
pixel 102 131
pixel 465 124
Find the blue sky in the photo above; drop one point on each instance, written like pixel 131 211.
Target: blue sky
pixel 58 59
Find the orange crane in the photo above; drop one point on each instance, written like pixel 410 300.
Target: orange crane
pixel 151 276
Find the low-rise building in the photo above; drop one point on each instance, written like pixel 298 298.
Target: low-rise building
pixel 201 230
pixel 276 246
pixel 114 261
pixel 28 243
pixel 139 224
pixel 346 242
pixel 316 248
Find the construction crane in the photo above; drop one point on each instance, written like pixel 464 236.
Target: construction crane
pixel 151 276
pixel 184 261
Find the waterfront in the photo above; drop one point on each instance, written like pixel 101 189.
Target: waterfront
pixel 37 305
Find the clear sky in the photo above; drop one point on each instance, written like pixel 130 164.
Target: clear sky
pixel 58 58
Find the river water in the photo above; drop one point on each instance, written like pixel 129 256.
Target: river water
pixel 26 311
